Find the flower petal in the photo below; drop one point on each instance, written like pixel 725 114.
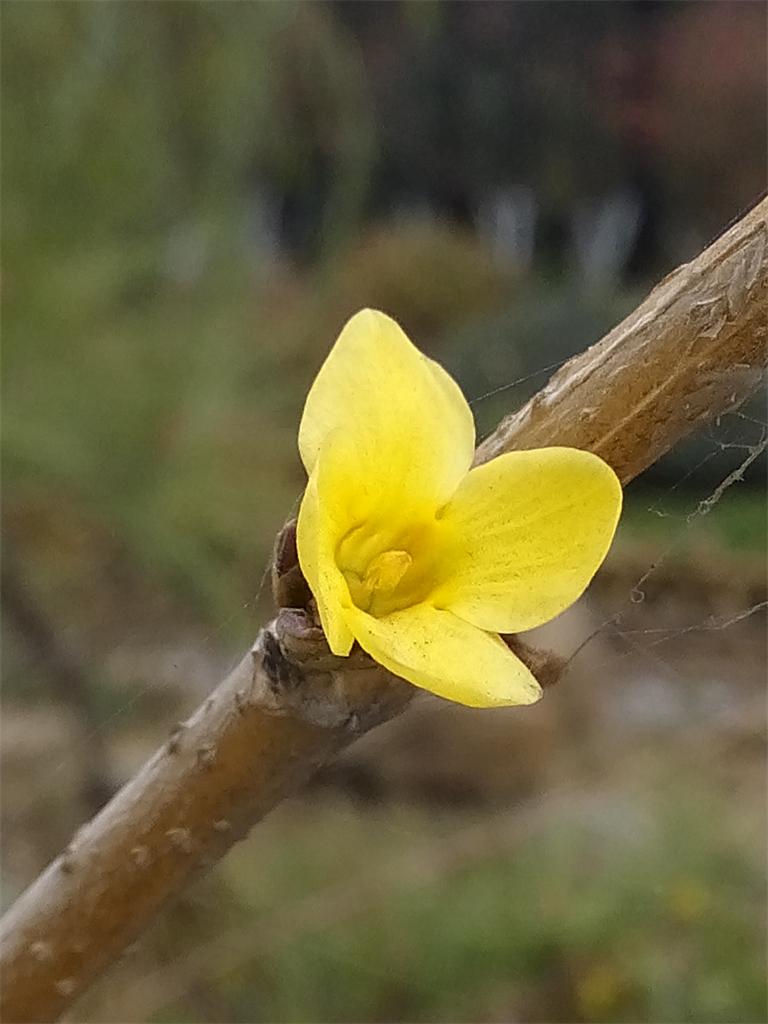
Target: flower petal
pixel 411 427
pixel 437 651
pixel 528 530
pixel 316 539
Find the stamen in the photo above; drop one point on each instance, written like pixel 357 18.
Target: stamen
pixel 386 570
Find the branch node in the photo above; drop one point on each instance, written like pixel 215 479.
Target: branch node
pixel 181 838
pixel 67 863
pixel 140 856
pixel 41 951
pixel 174 740
pixel 206 756
pixel 546 667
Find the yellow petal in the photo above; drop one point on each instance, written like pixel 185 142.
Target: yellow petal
pixel 410 429
pixel 528 530
pixel 437 651
pixel 316 540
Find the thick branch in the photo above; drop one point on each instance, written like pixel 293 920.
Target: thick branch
pixel 693 350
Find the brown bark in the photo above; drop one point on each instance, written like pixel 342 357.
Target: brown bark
pixel 693 350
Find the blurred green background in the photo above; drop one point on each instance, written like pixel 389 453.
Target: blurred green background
pixel 195 198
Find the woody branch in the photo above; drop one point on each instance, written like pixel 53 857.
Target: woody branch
pixel 693 350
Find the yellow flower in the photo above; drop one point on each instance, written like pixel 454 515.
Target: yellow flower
pixel 420 558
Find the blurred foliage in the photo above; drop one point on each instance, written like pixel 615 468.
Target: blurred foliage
pixel 434 276
pixel 124 121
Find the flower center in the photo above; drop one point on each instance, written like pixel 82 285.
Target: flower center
pixel 374 590
pixel 388 570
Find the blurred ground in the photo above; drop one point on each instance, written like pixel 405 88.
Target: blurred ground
pixel 195 200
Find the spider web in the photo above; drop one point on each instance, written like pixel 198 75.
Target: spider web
pixel 703 508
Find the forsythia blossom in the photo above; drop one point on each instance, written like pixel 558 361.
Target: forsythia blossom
pixel 420 558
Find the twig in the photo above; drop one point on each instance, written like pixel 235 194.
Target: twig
pixel 693 350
